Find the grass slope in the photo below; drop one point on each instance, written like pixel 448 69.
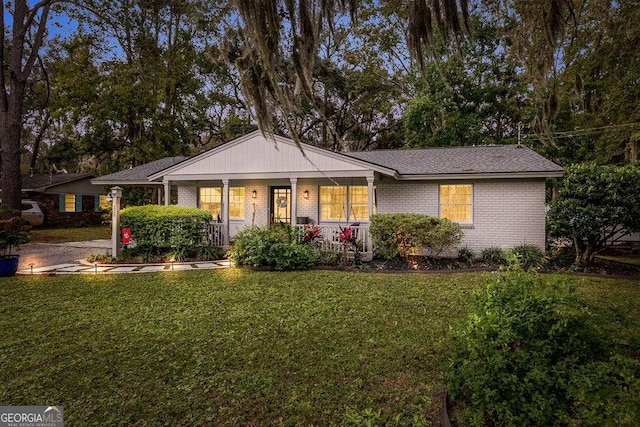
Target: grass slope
pixel 235 347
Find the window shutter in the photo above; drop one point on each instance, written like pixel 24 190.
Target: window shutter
pixel 61 202
pixel 78 203
pixel 96 203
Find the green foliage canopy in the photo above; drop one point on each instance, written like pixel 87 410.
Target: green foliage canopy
pixel 596 205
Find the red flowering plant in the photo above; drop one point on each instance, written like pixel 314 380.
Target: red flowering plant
pixel 310 233
pixel 349 239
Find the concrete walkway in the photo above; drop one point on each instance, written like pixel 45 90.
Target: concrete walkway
pixel 68 258
pixel 85 268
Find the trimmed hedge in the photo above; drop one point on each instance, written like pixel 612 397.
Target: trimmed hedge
pixel 165 227
pixel 400 235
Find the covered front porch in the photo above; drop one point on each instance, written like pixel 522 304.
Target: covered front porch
pixel 329 204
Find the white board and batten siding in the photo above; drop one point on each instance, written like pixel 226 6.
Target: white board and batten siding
pixel 256 157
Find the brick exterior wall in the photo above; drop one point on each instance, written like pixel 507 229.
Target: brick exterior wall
pixel 50 205
pixel 187 196
pixel 506 213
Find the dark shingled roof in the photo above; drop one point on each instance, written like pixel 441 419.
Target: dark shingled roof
pixel 42 182
pixel 459 160
pixel 140 173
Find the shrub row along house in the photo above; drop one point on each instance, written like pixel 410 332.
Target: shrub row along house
pixel 496 193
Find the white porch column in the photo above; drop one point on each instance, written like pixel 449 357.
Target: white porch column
pixel 294 200
pixel 167 192
pixel 159 194
pixel 225 210
pixel 370 207
pixel 370 195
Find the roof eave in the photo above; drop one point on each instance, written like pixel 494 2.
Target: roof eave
pixel 484 175
pixel 124 182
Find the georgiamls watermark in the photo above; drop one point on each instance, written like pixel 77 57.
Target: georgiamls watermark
pixel 31 416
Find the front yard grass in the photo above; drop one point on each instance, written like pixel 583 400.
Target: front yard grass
pixel 63 235
pixel 237 347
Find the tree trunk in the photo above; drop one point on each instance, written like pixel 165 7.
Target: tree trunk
pixel 586 258
pixel 19 64
pixel 10 132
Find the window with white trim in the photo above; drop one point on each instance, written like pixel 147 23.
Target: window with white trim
pixel 236 202
pixel 344 203
pixel 456 202
pixel 210 199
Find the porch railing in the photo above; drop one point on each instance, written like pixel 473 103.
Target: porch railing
pixel 328 238
pixel 214 235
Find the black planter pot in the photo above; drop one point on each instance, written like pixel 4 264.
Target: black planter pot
pixel 9 265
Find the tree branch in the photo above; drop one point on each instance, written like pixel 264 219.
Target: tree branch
pixel 37 43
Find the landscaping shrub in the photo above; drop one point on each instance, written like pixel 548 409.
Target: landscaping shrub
pixel 161 229
pixel 529 256
pixel 277 247
pixel 494 255
pixel 400 235
pixel 466 255
pixel 527 356
pixel 596 205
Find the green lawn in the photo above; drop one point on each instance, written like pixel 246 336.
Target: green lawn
pixel 628 259
pixel 62 235
pixel 234 347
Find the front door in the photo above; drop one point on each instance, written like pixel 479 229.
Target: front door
pixel 280 204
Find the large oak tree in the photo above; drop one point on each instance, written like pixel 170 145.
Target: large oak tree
pixel 22 38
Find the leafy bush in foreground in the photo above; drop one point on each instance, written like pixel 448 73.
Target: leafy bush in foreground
pixel 277 247
pixel 527 356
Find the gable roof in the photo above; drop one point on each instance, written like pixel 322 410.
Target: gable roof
pixel 138 175
pixel 256 156
pixel 39 182
pixel 461 161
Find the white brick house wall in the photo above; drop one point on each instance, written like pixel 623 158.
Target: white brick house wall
pixel 187 196
pixel 506 212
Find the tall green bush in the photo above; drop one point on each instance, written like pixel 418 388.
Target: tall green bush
pixel 528 356
pixel 277 247
pixel 166 227
pixel 401 234
pixel 596 205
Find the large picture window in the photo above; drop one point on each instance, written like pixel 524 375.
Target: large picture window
pixel 340 203
pixel 210 199
pixel 456 203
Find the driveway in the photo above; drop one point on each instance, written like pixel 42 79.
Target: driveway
pixel 44 254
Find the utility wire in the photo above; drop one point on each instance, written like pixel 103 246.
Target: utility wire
pixel 582 132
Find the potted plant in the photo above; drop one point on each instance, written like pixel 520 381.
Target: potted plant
pixel 13 233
